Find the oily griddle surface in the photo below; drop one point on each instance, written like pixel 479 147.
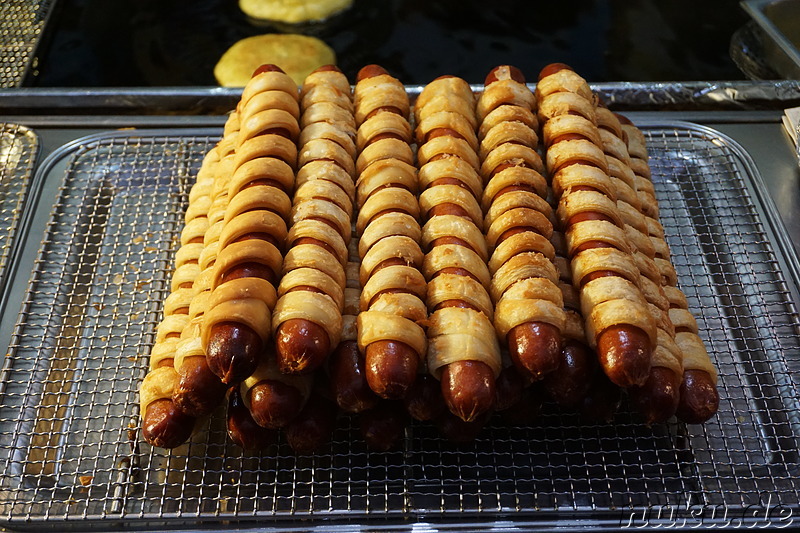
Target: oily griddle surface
pixel 108 43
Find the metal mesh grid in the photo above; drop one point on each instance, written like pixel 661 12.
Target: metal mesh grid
pixel 21 24
pixel 80 351
pixel 18 149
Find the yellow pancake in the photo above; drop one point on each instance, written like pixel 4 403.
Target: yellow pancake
pixel 297 55
pixel 292 11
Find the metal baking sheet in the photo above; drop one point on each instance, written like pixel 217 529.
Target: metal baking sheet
pixel 72 457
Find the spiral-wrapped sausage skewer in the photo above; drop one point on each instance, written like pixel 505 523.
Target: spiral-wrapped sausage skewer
pixel 569 383
pixel 617 318
pixel 578 382
pixel 393 288
pixel 657 398
pixel 164 423
pixel 308 316
pixel 200 390
pixel 237 325
pixel 272 398
pixel 698 397
pixel 463 350
pixel 529 314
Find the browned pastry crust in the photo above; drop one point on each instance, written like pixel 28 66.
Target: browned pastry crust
pixel 264 168
pixel 168 354
pixel 459 322
pixel 699 397
pixel 392 312
pixel 446 94
pixel 595 229
pixel 321 213
pixel 518 226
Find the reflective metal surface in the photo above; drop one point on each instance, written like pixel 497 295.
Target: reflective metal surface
pixel 21 25
pixel 779 22
pixel 73 458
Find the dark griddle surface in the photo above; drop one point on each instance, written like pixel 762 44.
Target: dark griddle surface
pixel 116 43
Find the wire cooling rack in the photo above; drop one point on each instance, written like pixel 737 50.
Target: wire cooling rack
pixel 21 24
pixel 18 149
pixel 71 456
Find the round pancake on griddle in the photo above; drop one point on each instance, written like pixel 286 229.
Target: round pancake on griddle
pixel 297 55
pixel 292 11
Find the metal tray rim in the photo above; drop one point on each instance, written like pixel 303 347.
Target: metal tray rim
pixel 755 8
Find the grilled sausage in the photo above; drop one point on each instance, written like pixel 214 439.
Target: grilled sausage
pixel 308 315
pixel 618 320
pixel 242 428
pixel 463 351
pixel 529 313
pixel 697 398
pixel 166 420
pixel 657 397
pixel 235 333
pixel 392 305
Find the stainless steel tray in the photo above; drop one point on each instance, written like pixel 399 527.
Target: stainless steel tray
pixel 72 459
pixel 777 20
